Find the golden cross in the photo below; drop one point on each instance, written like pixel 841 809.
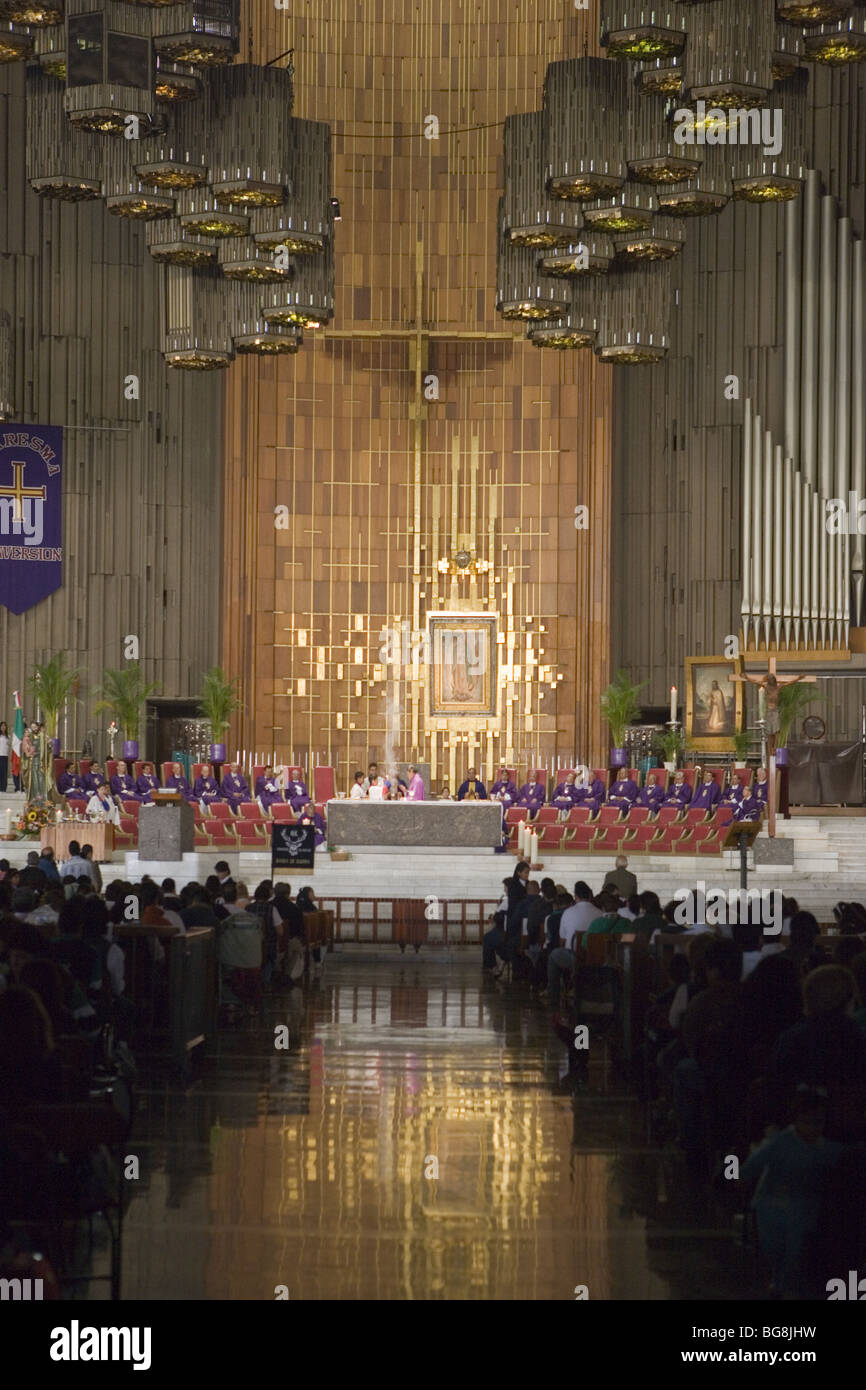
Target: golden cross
pixel 19 491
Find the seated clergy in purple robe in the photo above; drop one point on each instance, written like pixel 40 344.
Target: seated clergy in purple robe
pixel 531 794
pixel 69 782
pixel 297 794
pixel 679 792
pixel 93 780
pixel 147 783
pixel 205 789
pixel 623 794
pixel 588 791
pixel 472 789
pixel 564 794
pixel 504 789
pixel 268 791
pixel 750 808
pixel 652 794
pixel 178 783
pixel 123 786
pixel 707 796
pixel 310 816
pixel 732 795
pixel 761 789
pixel 234 788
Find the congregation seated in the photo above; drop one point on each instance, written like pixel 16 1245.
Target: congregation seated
pixel 531 794
pixel 623 794
pixel 123 785
pixel 147 783
pixel 268 792
pixel 69 782
pixel 235 788
pixel 707 795
pixel 472 789
pixel 679 793
pixel 652 794
pixel 504 789
pixel 177 782
pixel 206 789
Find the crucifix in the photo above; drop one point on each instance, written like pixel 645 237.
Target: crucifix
pixel 771 684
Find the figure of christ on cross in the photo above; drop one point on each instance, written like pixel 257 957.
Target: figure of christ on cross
pixel 771 684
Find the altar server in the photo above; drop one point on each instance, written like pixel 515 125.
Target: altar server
pixel 147 783
pixel 504 789
pixel 707 796
pixel 235 788
pixel 206 791
pixel 268 791
pixel 177 782
pixel 101 807
pixel 531 794
pixel 472 789
pixel 679 792
pixel 652 794
pixel 623 794
pixel 310 816
pixel 357 792
pixel 123 785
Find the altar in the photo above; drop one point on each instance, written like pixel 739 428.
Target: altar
pixel 414 824
pixel 59 836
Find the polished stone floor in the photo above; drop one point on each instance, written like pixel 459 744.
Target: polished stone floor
pixel 413 1141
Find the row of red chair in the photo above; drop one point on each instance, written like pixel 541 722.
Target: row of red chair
pixel 692 834
pixel 612 815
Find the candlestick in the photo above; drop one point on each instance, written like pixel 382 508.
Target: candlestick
pixel 673 704
pixel 533 849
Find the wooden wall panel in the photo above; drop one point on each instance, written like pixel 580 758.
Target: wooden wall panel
pixel 330 433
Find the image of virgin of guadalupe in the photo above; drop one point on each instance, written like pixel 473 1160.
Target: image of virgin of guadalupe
pixel 717 716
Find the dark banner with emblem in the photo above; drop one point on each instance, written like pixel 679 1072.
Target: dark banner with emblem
pixel 31 516
pixel 292 846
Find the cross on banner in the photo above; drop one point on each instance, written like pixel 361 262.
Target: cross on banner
pixel 19 492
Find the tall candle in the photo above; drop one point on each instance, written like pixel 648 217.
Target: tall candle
pixel 8 820
pixel 673 704
pixel 533 848
pixel 521 839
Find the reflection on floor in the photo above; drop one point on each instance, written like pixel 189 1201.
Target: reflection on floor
pixel 414 1141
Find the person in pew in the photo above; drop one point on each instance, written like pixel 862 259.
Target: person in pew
pixel 357 792
pixel 93 780
pixel 504 789
pixel 679 793
pixel 531 794
pixel 623 794
pixel 123 785
pixel 761 789
pixel 310 816
pixel 268 792
pixel 297 795
pixel 707 796
pixel 147 783
pixel 206 791
pixel 30 1067
pixel 588 791
pixel 607 921
pixel 472 789
pixel 177 782
pixel 652 794
pixel 235 788
pixel 101 806
pixel 564 793
pixel 69 780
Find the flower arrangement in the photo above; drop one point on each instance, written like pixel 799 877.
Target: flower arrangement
pixel 37 813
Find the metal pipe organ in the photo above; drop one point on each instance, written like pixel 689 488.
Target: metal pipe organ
pixel 803 556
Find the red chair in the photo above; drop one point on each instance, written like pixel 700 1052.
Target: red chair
pixel 541 776
pixel 578 839
pixel 84 766
pixel 250 810
pixel 551 836
pixel 686 844
pixel 138 767
pixel 695 816
pixel 632 774
pixel 719 776
pixel 129 825
pixel 221 833
pixel 281 811
pixel 667 815
pixel 703 832
pixel 220 810
pixel 639 815
pixel 713 844
pixel 514 815
pixel 251 834
pixel 197 770
pixel 722 816
pixel 743 775
pixel 165 769
pixel 601 774
pixel 324 783
pixel 667 838
pixel 608 841
pixel 110 768
pixel 640 841
pixel 201 839
pixel 258 771
pixel 131 808
pixel 547 815
pixel 579 815
pixel 662 777
pixel 690 775
pixel 609 815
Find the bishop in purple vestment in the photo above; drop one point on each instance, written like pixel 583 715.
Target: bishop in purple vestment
pixel 679 792
pixel 623 794
pixel 588 793
pixel 750 808
pixel 732 795
pixel 93 780
pixel 234 788
pixel 310 816
pixel 178 783
pixel 565 794
pixel 652 794
pixel 123 786
pixel 761 789
pixel 268 791
pixel 531 795
pixel 504 789
pixel 297 795
pixel 147 783
pixel 206 790
pixel 69 782
pixel 707 796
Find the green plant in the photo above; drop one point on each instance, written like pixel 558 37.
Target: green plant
pixel 619 706
pixel 741 740
pixel 122 695
pixel 218 701
pixel 793 700
pixel 669 745
pixel 51 685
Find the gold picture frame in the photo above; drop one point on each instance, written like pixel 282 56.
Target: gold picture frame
pixel 463 665
pixel 714 705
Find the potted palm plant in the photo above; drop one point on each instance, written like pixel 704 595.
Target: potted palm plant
pixel 741 741
pixel 217 703
pixel 619 706
pixel 793 700
pixel 122 695
pixel 669 747
pixel 51 685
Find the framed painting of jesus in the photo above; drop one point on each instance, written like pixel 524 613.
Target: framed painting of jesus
pixel 714 705
pixel 463 665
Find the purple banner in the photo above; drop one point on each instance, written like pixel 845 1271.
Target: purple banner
pixel 31 516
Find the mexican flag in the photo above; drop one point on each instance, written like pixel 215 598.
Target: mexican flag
pixel 17 733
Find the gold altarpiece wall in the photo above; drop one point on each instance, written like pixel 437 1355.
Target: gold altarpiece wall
pixel 418 457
